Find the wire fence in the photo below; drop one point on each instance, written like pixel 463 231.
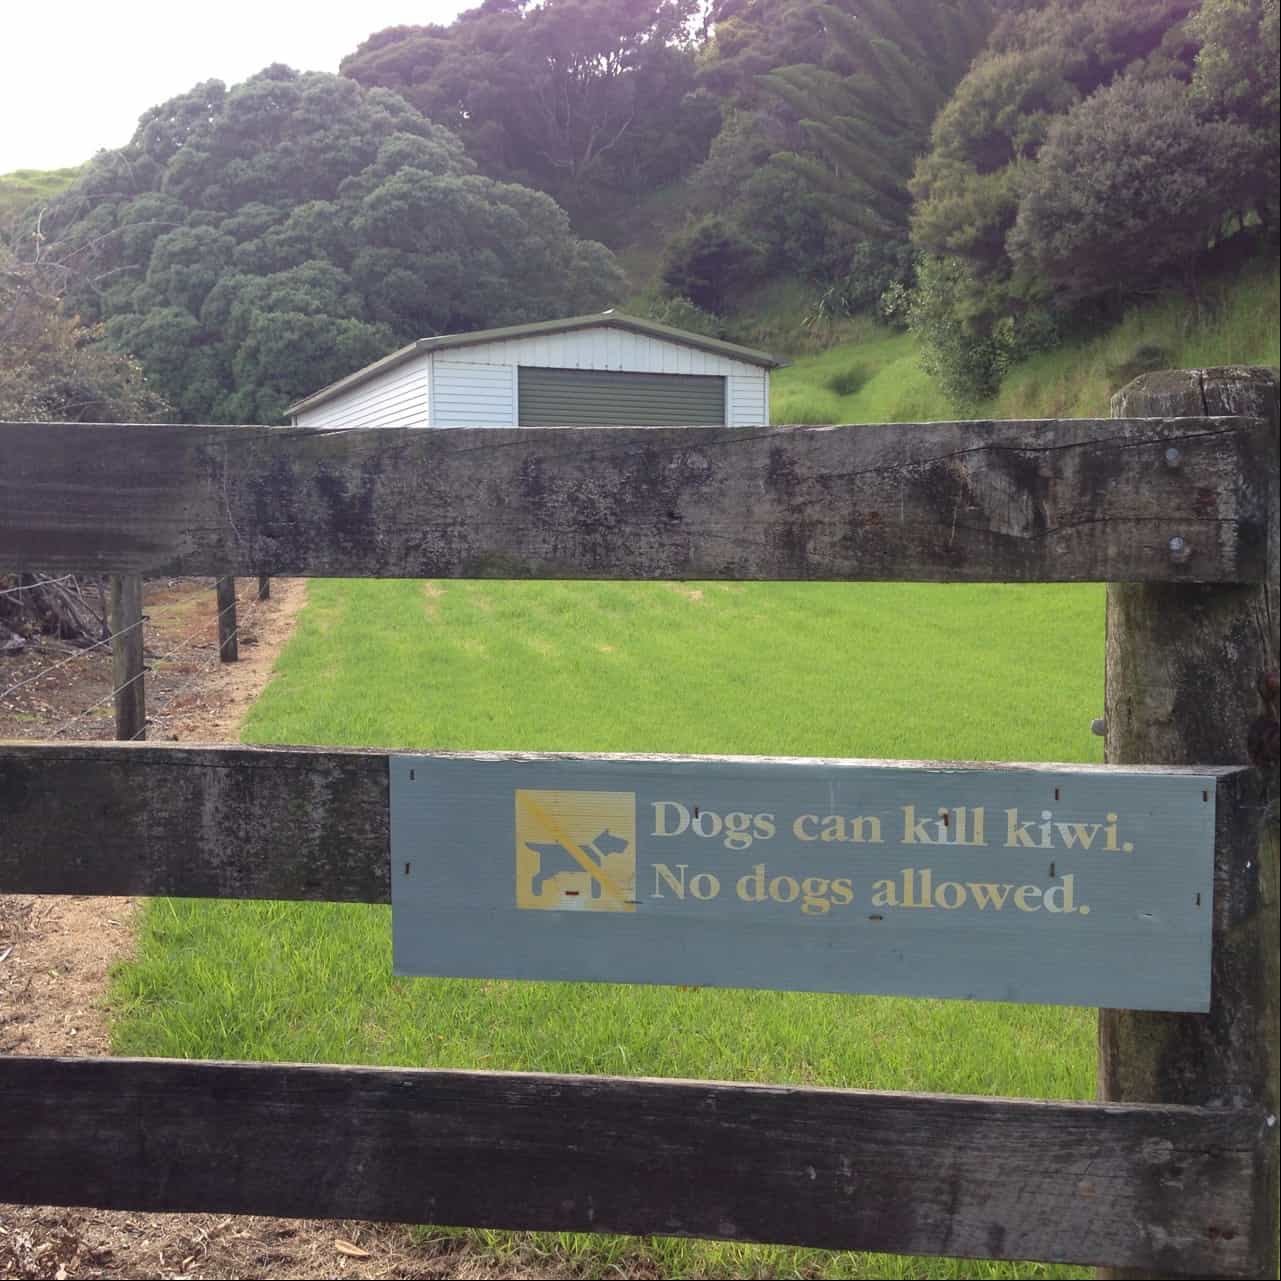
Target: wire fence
pixel 248 598
pixel 71 658
pixel 35 587
pixel 174 695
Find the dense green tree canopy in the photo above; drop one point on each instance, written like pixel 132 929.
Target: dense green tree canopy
pixel 1038 65
pixel 589 100
pixel 1238 78
pixel 866 123
pixel 1130 186
pixel 252 244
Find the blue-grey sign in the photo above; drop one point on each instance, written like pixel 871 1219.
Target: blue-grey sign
pixel 1064 884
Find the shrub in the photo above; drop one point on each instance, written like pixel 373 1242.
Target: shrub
pixel 680 313
pixel 709 263
pixel 848 381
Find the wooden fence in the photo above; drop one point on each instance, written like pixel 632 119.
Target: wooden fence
pixel 1173 1172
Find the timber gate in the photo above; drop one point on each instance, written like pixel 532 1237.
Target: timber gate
pixel 1172 502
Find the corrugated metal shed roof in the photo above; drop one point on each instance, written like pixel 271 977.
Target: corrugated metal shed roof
pixel 597 320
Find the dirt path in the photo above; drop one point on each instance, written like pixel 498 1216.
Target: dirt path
pixel 56 955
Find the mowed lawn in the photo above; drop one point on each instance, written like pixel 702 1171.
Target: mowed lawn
pixel 962 672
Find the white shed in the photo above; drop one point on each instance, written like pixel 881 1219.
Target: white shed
pixel 602 370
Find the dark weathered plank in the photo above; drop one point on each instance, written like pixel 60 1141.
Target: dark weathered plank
pixel 1183 664
pixel 1160 1187
pixel 983 501
pixel 238 822
pixel 215 822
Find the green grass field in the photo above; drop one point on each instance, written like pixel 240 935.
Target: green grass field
pixel 857 670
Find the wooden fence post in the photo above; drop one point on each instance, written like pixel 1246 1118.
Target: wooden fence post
pixel 127 667
pixel 228 628
pixel 264 586
pixel 1182 666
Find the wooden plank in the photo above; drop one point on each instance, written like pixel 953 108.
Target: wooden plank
pixel 1183 665
pixel 252 822
pixel 1144 500
pixel 218 822
pixel 1161 1187
pixel 128 666
pixel 980 882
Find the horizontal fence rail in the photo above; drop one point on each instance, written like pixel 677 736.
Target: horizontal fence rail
pixel 1147 500
pixel 309 823
pixel 1147 1186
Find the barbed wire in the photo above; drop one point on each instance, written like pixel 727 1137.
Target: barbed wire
pixel 71 658
pixel 175 695
pixel 182 644
pixel 35 587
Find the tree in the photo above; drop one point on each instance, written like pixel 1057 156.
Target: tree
pixel 1238 77
pixel 865 124
pixel 1130 186
pixel 250 245
pixel 1039 65
pixel 585 99
pixel 53 368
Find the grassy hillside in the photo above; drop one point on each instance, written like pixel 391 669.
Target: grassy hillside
pixel 874 375
pixel 23 187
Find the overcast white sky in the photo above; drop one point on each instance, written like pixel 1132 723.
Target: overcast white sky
pixel 77 75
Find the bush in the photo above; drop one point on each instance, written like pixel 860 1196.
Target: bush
pixel 962 351
pixel 710 263
pixel 874 267
pixel 1141 360
pixel 848 381
pixel 680 313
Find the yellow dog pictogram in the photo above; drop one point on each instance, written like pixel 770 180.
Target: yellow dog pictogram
pixel 576 851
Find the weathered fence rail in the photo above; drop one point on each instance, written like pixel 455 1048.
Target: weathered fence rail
pixel 1149 1186
pixel 1175 1173
pixel 312 823
pixel 1168 500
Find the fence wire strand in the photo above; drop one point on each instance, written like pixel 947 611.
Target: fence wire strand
pixel 35 587
pixel 71 658
pixel 189 639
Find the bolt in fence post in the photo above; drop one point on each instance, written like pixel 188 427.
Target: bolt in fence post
pixel 228 628
pixel 127 680
pixel 264 586
pixel 1183 660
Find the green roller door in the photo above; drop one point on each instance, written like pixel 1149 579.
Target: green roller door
pixel 612 398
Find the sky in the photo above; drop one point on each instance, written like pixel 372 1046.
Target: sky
pixel 78 75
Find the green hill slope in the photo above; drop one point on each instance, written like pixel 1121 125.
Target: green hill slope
pixel 23 187
pixel 876 376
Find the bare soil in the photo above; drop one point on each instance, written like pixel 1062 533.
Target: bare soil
pixel 56 955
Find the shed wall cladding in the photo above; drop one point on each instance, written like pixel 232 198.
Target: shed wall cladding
pixel 469 393
pixel 605 348
pixel 617 398
pixel 397 399
pixel 748 399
